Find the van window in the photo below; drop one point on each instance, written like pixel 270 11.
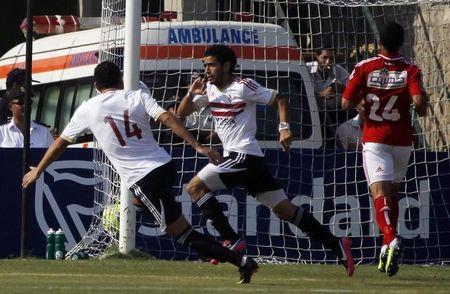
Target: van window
pixel 49 105
pixel 35 104
pixel 83 94
pixel 66 107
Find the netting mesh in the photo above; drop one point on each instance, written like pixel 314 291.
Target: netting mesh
pixel 323 171
pixel 102 234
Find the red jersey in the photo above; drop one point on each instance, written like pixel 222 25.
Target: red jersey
pixel 387 84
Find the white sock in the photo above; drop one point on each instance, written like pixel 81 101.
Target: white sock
pixel 393 242
pixel 384 248
pixel 243 260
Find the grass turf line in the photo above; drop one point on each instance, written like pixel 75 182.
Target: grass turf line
pixel 156 276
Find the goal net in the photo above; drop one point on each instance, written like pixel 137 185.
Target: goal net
pixel 277 43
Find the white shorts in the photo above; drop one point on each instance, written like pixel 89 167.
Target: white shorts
pixel 247 171
pixel 385 162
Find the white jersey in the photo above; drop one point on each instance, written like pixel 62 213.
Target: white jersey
pixel 234 111
pixel 119 121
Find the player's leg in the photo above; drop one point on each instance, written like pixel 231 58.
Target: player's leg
pixel 401 160
pixel 394 205
pixel 285 210
pixel 382 199
pixel 209 206
pixel 401 156
pixel 378 160
pixel 227 174
pixel 383 215
pixel 268 191
pixel 182 231
pixel 154 191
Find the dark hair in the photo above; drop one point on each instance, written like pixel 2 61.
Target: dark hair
pixel 107 75
pixel 17 75
pixel 15 93
pixel 327 46
pixel 392 36
pixel 223 54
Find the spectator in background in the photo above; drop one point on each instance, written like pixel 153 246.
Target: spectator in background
pixel 350 132
pixel 329 80
pixel 14 79
pixel 11 133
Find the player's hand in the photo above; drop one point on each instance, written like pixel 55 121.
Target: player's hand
pixel 198 86
pixel 54 133
pixel 286 139
pixel 30 177
pixel 327 93
pixel 214 156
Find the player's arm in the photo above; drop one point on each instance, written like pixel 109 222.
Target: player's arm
pixel 283 127
pixel 54 152
pixel 187 105
pixel 348 104
pixel 76 125
pixel 420 102
pixel 418 94
pixel 169 120
pixel 352 93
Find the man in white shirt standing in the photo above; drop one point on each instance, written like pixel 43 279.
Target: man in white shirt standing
pixel 233 106
pixel 11 133
pixel 349 133
pixel 119 120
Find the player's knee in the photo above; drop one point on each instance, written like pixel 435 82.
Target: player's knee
pixel 196 188
pixel 275 200
pixel 178 226
pixel 285 210
pixel 282 214
pixel 192 188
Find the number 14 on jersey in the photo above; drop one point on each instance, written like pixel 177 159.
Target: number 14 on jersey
pixel 126 119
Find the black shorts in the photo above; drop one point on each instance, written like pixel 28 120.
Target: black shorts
pixel 155 192
pixel 240 170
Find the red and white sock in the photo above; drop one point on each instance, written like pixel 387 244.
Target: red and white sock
pixel 383 208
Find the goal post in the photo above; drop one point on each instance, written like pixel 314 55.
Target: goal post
pixel 275 42
pixel 127 233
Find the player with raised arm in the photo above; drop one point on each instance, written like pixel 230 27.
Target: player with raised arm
pixel 233 106
pixel 119 120
pixel 387 83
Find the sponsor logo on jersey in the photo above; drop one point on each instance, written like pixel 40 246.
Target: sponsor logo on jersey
pixel 385 79
pixel 379 169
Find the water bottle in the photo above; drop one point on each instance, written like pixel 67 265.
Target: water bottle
pixel 79 255
pixel 59 245
pixel 50 251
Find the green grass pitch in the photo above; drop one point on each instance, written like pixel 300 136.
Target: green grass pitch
pixel 154 276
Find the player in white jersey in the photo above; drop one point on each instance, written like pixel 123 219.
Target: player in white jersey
pixel 119 120
pixel 233 105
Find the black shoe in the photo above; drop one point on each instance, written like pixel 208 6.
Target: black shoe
pixel 247 271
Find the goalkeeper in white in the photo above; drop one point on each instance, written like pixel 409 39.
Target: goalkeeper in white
pixel 233 106
pixel 119 121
